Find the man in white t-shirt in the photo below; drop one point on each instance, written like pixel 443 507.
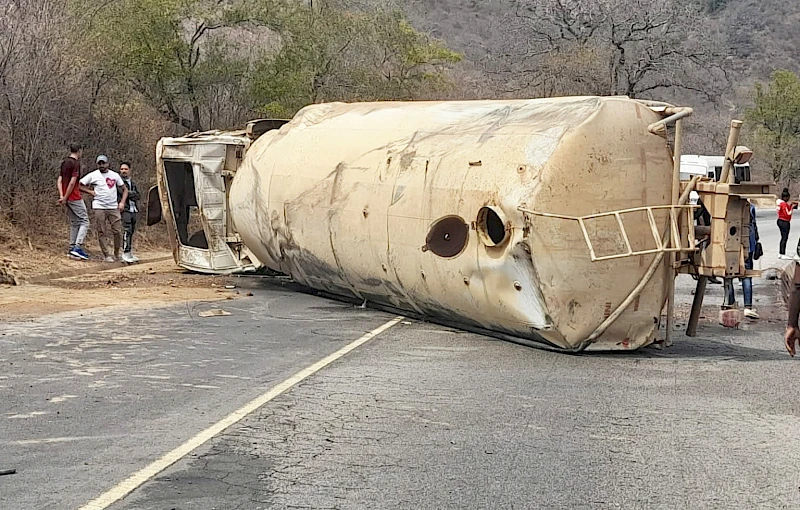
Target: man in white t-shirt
pixel 102 184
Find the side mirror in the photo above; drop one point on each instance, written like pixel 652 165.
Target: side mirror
pixel 153 207
pixel 742 155
pixel 256 128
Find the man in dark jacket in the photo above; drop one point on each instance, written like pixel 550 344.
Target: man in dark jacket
pixel 130 213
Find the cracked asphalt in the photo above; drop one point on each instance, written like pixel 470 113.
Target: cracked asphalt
pixel 420 417
pixel 87 398
pixel 426 417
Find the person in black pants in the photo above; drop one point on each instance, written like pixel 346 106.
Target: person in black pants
pixel 785 209
pixel 129 213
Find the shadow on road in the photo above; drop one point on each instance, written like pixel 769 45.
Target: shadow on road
pixel 715 344
pixel 712 349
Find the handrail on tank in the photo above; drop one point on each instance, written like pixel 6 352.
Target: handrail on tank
pixel 655 104
pixel 674 114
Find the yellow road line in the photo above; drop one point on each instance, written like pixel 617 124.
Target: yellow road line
pixel 138 478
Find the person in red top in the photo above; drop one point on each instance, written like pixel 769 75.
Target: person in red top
pixel 70 196
pixel 785 209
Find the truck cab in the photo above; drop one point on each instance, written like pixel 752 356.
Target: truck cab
pixel 193 176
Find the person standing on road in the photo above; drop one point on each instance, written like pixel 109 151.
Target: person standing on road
pixel 785 209
pixel 102 184
pixel 747 283
pixel 792 336
pixel 130 211
pixel 69 194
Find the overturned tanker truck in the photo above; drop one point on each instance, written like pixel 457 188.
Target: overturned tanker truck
pixel 551 222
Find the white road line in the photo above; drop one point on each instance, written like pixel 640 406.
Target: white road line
pixel 138 478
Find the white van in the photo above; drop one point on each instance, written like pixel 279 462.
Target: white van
pixel 711 167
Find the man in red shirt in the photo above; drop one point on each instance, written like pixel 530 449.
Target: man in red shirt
pixel 70 197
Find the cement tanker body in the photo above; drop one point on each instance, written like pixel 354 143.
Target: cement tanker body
pixel 457 211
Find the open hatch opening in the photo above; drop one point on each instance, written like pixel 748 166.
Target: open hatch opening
pixel 183 199
pixel 491 227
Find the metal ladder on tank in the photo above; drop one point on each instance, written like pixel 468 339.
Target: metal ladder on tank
pixel 671 242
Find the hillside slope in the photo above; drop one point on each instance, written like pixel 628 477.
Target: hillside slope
pixel 754 37
pixel 763 35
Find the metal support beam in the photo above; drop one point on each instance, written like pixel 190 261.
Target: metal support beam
pixel 673 257
pixel 733 139
pixel 727 290
pixel 697 305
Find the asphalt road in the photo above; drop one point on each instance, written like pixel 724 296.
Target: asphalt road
pixel 771 237
pixel 88 398
pixel 421 416
pixel 431 418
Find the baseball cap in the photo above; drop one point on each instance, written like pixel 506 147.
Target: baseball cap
pixel 102 158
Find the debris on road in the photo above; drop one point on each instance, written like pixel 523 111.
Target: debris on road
pixel 214 312
pixel 7 274
pixel 4 472
pixel 730 318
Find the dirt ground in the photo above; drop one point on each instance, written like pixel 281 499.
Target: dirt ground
pixel 52 284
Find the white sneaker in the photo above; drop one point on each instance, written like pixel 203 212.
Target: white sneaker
pixel 109 259
pixel 750 313
pixel 784 257
pixel 127 258
pixel 133 257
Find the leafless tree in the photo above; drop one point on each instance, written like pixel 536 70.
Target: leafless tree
pixel 35 79
pixel 51 95
pixel 613 47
